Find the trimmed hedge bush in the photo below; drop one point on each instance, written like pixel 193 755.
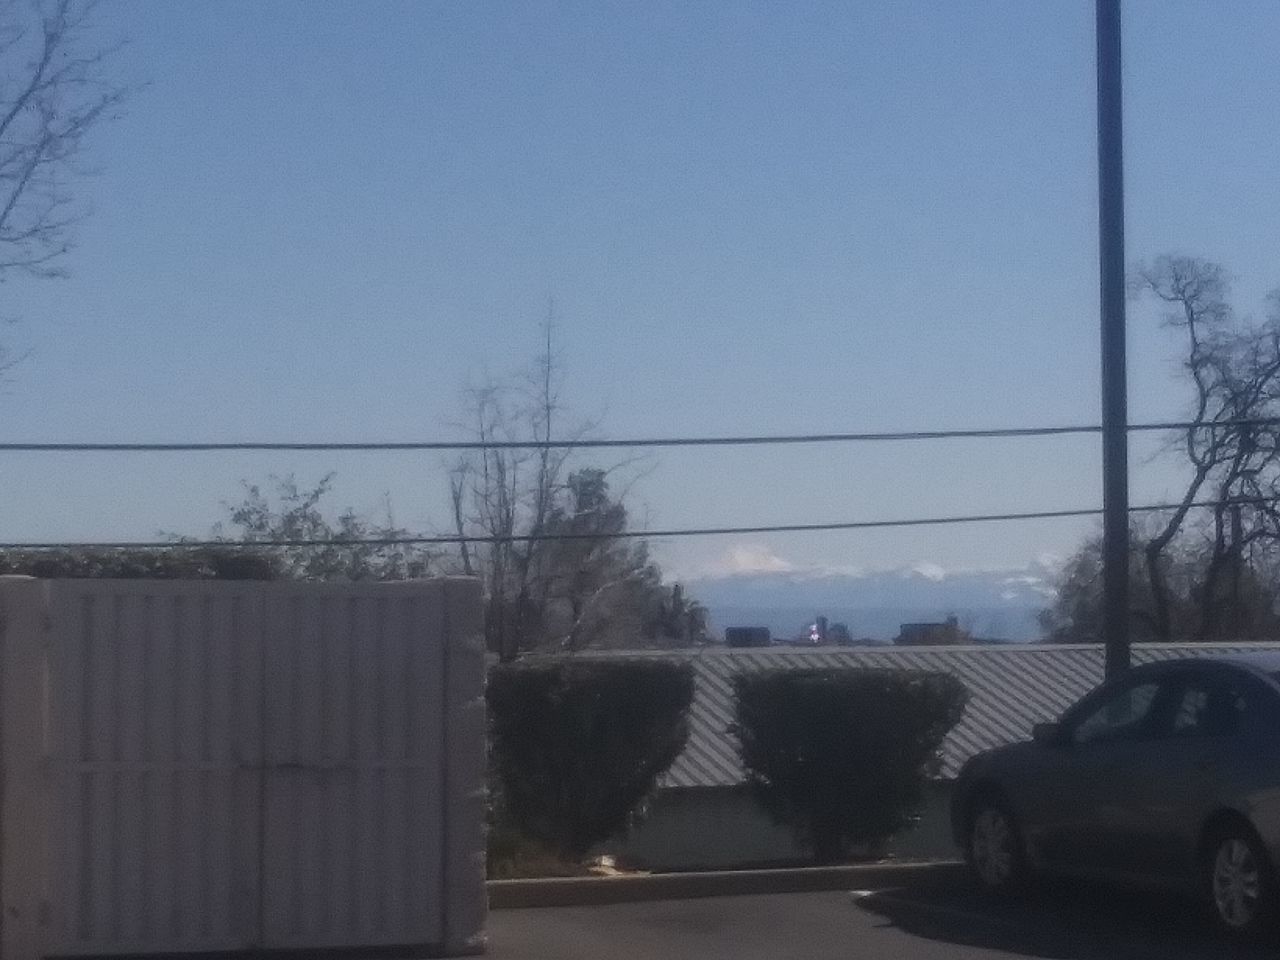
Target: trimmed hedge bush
pixel 578 744
pixel 841 755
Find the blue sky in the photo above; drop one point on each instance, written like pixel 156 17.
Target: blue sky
pixel 318 221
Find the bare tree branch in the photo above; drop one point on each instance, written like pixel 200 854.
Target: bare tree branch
pixel 54 90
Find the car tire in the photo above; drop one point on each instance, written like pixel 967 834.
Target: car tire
pixel 1239 882
pixel 994 848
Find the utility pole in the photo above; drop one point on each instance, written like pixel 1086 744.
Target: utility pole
pixel 1115 414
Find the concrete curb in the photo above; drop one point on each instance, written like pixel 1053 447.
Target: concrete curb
pixel 597 891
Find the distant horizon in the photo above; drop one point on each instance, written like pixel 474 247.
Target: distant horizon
pixel 876 624
pixel 996 605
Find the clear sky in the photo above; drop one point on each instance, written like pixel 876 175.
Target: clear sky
pixel 320 219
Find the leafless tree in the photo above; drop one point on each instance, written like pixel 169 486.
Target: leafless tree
pixel 54 89
pixel 502 492
pixel 1231 444
pixel 1195 291
pixel 590 588
pixel 1245 522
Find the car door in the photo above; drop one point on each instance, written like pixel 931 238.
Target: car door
pixel 1089 815
pixel 1170 781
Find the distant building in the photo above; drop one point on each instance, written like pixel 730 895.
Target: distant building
pixel 747 636
pixel 839 634
pixel 946 633
pixel 814 633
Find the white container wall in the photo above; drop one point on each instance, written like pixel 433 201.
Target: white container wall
pixel 196 766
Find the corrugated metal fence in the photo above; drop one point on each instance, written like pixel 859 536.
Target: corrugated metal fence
pixel 223 766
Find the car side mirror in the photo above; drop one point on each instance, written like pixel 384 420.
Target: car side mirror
pixel 1048 734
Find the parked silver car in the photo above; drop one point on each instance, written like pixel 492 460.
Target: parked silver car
pixel 1168 775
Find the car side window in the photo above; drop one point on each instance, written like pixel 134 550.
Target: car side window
pixel 1191 711
pixel 1231 714
pixel 1122 716
pixel 1227 713
pixel 1207 708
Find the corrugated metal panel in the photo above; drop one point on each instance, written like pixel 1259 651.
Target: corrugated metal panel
pixel 258 766
pixel 1010 689
pixel 157 791
pixel 353 785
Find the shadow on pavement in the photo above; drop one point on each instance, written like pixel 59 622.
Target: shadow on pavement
pixel 1062 921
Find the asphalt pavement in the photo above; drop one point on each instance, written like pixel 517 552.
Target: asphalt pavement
pixel 925 920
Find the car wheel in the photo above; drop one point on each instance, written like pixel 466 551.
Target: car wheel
pixel 994 849
pixel 1240 881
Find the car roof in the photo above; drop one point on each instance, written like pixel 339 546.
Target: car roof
pixel 1261 661
pixel 1264 662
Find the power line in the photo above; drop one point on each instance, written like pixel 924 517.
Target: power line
pixel 1206 425
pixel 446 445
pixel 627 442
pixel 625 534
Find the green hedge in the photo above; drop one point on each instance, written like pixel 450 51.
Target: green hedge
pixel 578 744
pixel 172 563
pixel 841 755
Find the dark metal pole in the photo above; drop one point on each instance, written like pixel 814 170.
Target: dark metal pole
pixel 1115 414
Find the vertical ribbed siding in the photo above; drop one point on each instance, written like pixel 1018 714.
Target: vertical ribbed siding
pixel 352 791
pixel 249 765
pixel 157 791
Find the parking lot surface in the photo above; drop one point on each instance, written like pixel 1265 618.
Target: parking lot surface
pixel 922 921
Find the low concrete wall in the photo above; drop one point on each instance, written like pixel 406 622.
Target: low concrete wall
pixel 930 839
pixel 713 828
pixel 690 884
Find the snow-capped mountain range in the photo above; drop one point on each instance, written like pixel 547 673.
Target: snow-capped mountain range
pixel 990 604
